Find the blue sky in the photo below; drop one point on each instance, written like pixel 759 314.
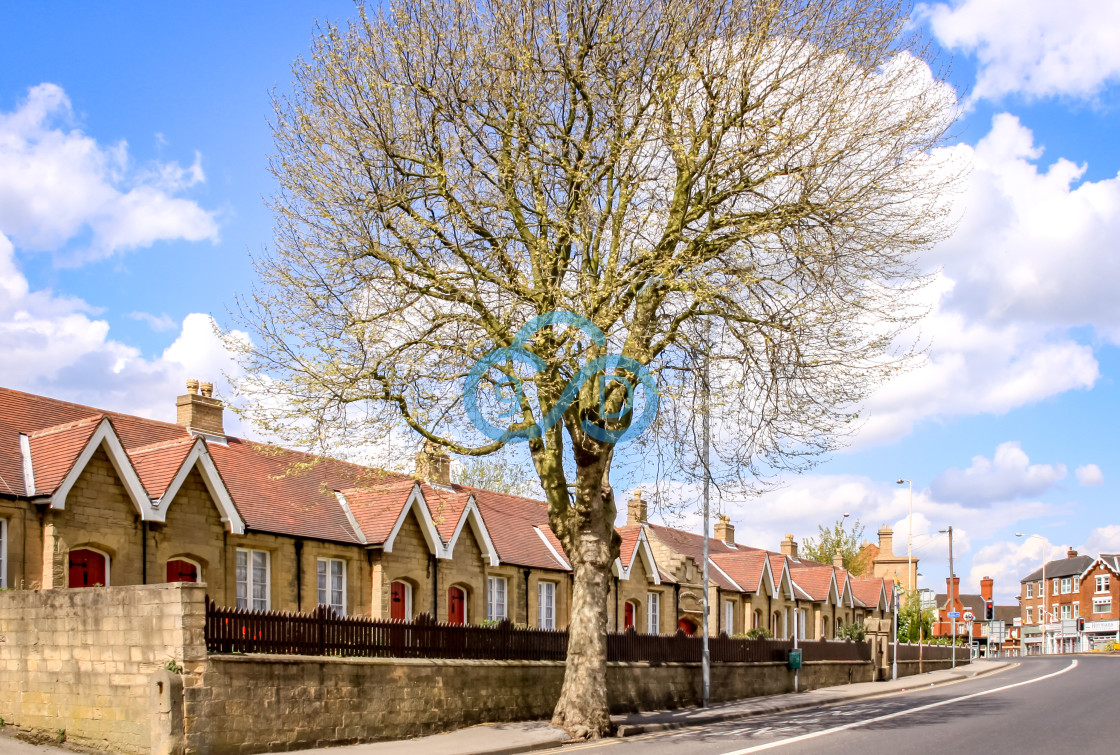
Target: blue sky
pixel 133 166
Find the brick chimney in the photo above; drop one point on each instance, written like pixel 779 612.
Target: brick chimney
pixel 636 510
pixel 1071 553
pixel 789 546
pixel 953 592
pixel 838 560
pixel 986 588
pixel 198 410
pixel 886 541
pixel 725 530
pixel 433 465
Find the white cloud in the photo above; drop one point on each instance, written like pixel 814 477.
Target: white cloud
pixel 1036 48
pixel 1007 476
pixel 1102 540
pixel 158 323
pixel 1034 256
pixel 1089 475
pixel 1007 562
pixel 59 185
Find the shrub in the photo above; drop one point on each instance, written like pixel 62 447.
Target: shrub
pixel 758 633
pixel 856 632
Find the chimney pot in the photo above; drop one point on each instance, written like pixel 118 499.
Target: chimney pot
pixel 789 546
pixel 838 560
pixel 1071 553
pixel 200 413
pixel 636 510
pixel 724 530
pixel 434 465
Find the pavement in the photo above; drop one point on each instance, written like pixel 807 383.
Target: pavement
pixel 507 739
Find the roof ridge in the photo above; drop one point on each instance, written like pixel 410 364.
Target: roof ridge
pixel 160 445
pixel 67 426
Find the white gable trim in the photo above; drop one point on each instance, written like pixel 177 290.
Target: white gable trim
pixel 641 550
pixel 725 575
pixel 419 506
pixel 105 436
pixel 766 571
pixel 552 550
pixel 478 526
pixel 787 578
pixel 28 469
pixel 1097 560
pixel 350 517
pixel 199 458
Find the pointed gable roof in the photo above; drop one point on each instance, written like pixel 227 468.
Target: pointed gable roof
pixel 55 450
pixel 749 568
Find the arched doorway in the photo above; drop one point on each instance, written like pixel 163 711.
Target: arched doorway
pixel 400 604
pixel 182 570
pixel 628 617
pixel 456 606
pixel 88 568
pixel 687 625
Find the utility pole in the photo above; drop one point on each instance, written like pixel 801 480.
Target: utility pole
pixel 705 657
pixel 952 597
pixel 894 659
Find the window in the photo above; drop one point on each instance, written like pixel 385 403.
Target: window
pixel 653 613
pixel 802 621
pixel 3 552
pixel 1065 585
pixel 1102 605
pixel 546 605
pixel 496 598
pixel 1102 583
pixel 1030 589
pixel 400 606
pixel 728 617
pixel 1055 582
pixel 1029 620
pixel 1065 611
pixel 1076 610
pixel 332 584
pixel 252 579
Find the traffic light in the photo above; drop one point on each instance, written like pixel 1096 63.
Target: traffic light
pixel 989 611
pixel 1080 625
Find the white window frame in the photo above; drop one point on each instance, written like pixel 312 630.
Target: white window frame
pixel 4 554
pixel 653 613
pixel 729 617
pixel 325 592
pixel 1056 582
pixel 1030 589
pixel 497 610
pixel 1103 583
pixel 1102 605
pixel 1067 585
pixel 1030 619
pixel 248 601
pixel 1076 610
pixel 546 605
pixel 1064 611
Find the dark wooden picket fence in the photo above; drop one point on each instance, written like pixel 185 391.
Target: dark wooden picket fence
pixel 322 632
pixel 908 652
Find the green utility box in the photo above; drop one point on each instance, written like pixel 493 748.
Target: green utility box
pixel 794 661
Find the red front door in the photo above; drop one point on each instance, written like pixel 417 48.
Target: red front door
pixel 87 568
pixel 397 608
pixel 687 627
pixel 456 606
pixel 181 571
pixel 629 620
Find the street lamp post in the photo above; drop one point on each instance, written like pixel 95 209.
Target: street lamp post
pixel 1045 610
pixel 909 538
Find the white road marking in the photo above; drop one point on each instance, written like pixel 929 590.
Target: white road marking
pixel 898 714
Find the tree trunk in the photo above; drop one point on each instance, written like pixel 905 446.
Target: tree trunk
pixel 583 709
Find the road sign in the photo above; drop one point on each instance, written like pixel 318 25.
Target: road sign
pixel 1017 621
pixel 954 614
pixel 969 616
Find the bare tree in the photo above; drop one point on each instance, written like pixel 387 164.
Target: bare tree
pixel 761 170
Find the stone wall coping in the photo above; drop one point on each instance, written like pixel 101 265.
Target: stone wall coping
pixel 470 662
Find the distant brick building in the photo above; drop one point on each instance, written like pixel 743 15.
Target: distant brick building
pixel 978 631
pixel 1077 587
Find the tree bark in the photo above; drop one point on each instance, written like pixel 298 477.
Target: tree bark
pixel 583 709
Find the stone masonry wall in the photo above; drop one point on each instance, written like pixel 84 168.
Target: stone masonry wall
pixel 83 660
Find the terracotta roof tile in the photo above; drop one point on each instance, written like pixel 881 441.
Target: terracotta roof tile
pixel 54 451
pixel 867 590
pixel 815 582
pixel 510 519
pixel 377 506
pixel 745 567
pixel 158 463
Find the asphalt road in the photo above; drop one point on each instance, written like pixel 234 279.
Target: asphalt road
pixel 1059 705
